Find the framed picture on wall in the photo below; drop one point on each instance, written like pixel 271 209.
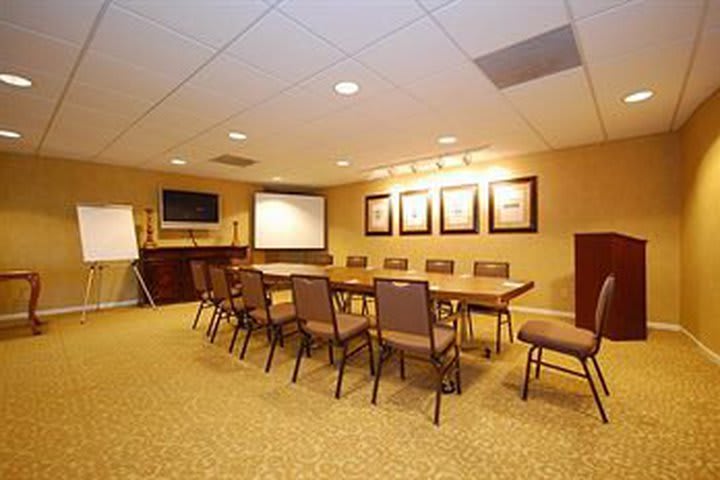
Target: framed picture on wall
pixel 459 209
pixel 415 212
pixel 513 206
pixel 378 215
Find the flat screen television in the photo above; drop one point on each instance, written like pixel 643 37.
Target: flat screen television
pixel 180 209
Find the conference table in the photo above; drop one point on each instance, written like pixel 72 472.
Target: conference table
pixel 463 288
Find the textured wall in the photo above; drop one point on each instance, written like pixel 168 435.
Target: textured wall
pixel 39 223
pixel 629 186
pixel 700 304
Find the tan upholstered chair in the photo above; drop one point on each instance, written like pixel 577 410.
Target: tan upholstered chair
pixel 319 259
pixel 346 298
pixel 356 261
pixel 318 322
pixel 576 342
pixel 443 308
pixel 261 314
pixel 405 325
pixel 499 310
pixel 227 305
pixel 395 264
pixel 201 285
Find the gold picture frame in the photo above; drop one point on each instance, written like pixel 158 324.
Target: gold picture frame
pixel 378 215
pixel 415 212
pixel 459 209
pixel 513 206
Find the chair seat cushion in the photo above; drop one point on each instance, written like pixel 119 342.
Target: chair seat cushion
pixel 279 313
pixel 227 305
pixel 559 337
pixel 349 325
pixel 444 337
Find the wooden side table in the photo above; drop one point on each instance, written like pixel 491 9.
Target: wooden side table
pixel 33 278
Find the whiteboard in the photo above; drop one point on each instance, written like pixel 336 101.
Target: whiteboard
pixel 107 233
pixel 288 221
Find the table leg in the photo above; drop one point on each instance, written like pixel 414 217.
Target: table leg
pixel 34 280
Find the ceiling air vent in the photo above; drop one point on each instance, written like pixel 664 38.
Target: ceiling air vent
pixel 539 56
pixel 234 161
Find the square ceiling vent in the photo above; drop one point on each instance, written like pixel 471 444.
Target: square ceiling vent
pixel 234 161
pixel 537 57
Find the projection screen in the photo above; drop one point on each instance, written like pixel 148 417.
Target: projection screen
pixel 283 221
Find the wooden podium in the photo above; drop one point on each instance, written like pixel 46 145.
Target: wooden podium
pixel 596 256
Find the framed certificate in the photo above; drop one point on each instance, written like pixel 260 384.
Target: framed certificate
pixel 513 206
pixel 459 209
pixel 415 212
pixel 378 215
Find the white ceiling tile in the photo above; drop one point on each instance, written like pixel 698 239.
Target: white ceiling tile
pixel 712 18
pixel 415 52
pixel 586 8
pixel 108 73
pixel 513 144
pixel 35 51
pixel 213 22
pixel 69 20
pixel 482 27
pixel 661 70
pixel 280 47
pixel 390 108
pixel 88 96
pixel 72 140
pixel 44 85
pixel 637 25
pixel 237 81
pixel 560 107
pixel 134 39
pixel 205 104
pixel 355 24
pixel 463 84
pixel 704 77
pixel 434 4
pixel 24 112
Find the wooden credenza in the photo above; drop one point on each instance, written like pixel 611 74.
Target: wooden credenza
pixel 166 270
pixel 596 256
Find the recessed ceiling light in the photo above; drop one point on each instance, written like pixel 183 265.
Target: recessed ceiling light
pixel 15 80
pixel 343 163
pixel 9 134
pixel 276 179
pixel 447 140
pixel 347 88
pixel 178 161
pixel 639 96
pixel 237 136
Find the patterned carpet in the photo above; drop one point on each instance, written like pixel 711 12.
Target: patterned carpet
pixel 136 393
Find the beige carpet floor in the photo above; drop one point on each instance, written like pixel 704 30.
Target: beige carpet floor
pixel 136 393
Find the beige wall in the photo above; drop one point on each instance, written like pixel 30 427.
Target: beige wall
pixel 629 186
pixel 700 274
pixel 39 225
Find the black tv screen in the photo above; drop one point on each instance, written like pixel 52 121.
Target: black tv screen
pixel 189 210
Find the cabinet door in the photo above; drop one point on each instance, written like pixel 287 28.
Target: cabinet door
pixel 162 278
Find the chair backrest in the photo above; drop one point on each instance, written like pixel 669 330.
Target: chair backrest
pixel 602 310
pixel 219 283
pixel 404 306
pixel 356 261
pixel 440 266
pixel 198 269
pixel 395 264
pixel 319 259
pixel 313 300
pixel 491 269
pixel 253 289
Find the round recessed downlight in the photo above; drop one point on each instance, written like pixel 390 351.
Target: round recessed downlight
pixel 347 88
pixel 276 179
pixel 237 136
pixel 639 96
pixel 15 80
pixel 178 161
pixel 343 163
pixel 447 140
pixel 9 134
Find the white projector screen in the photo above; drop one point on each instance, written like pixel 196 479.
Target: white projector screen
pixel 107 233
pixel 283 221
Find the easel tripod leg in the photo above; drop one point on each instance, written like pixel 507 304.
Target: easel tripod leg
pixel 88 288
pixel 142 284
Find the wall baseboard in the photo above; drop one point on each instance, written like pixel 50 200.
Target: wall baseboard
pixel 542 311
pixel 714 357
pixel 670 327
pixel 70 309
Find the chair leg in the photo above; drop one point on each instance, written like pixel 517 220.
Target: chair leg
pixel 594 390
pixel 458 386
pixel 438 397
pixel 509 323
pixel 382 357
pixel 470 325
pixel 539 360
pixel 331 355
pixel 215 312
pixel 298 358
pixel 498 332
pixel 600 376
pixel 281 340
pixel 197 315
pixel 370 353
pixel 245 343
pixel 234 337
pixel 276 334
pixel 218 320
pixel 402 364
pixel 527 372
pixel 341 371
pixel 364 310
